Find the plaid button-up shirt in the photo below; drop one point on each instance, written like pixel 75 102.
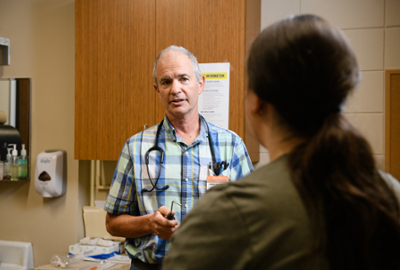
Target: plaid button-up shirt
pixel 184 170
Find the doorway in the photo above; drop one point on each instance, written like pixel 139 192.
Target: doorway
pixel 392 123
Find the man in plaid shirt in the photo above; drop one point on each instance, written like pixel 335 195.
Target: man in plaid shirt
pixel 145 184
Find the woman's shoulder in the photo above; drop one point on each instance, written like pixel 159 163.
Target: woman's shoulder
pixel 274 175
pixel 262 190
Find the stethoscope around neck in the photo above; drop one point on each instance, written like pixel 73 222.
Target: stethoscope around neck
pixel 217 166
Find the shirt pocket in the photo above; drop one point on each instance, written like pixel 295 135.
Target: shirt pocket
pixel 204 172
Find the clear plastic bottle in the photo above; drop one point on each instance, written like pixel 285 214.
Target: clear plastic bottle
pixel 65 261
pixel 7 166
pixel 23 163
pixel 14 164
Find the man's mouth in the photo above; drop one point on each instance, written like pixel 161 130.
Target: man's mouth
pixel 177 101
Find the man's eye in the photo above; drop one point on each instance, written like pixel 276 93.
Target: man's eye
pixel 184 79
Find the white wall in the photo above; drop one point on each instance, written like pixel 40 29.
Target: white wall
pixel 42 46
pixel 373 28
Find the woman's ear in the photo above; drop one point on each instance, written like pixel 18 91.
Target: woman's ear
pixel 254 105
pixel 260 106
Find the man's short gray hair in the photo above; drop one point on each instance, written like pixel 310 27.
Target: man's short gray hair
pixel 195 64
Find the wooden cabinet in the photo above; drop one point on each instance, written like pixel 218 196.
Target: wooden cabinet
pixel 116 45
pixel 114 96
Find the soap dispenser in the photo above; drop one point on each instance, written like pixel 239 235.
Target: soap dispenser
pixel 23 163
pixel 50 173
pixel 14 164
pixel 7 166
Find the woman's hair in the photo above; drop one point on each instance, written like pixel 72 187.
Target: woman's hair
pixel 305 68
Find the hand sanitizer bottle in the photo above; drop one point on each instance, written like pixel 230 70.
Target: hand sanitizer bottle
pixel 23 165
pixel 7 166
pixel 14 164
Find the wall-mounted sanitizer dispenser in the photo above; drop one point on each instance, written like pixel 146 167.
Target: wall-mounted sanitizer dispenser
pixel 50 173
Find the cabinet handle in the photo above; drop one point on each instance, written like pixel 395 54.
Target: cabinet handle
pixel 144 127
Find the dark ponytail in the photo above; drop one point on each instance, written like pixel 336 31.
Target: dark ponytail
pixel 305 68
pixel 355 212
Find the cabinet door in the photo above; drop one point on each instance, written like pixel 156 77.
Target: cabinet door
pixel 114 94
pixel 214 31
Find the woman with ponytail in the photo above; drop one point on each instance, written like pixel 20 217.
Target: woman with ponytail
pixel 321 203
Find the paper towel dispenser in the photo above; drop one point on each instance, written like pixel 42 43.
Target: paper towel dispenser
pixel 8 135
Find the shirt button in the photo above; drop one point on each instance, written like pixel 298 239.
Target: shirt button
pixel 186 206
pixel 186 179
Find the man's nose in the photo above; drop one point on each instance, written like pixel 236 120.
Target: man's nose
pixel 175 87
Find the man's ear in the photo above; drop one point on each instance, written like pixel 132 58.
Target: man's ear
pixel 158 91
pixel 202 82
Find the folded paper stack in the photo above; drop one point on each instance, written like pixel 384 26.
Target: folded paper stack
pixel 96 248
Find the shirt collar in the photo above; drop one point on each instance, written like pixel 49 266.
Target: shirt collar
pixel 170 130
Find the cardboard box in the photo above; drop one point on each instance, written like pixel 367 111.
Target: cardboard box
pixel 95 223
pixel 97 252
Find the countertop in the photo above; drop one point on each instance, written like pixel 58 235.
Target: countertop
pixel 85 265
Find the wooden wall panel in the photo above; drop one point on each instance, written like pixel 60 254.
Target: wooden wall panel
pixel 24 112
pixel 116 44
pixel 214 31
pixel 115 49
pixel 86 73
pixel 253 28
pixel 392 123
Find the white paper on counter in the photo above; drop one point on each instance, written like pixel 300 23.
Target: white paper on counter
pixel 213 103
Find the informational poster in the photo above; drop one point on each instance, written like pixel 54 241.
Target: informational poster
pixel 213 103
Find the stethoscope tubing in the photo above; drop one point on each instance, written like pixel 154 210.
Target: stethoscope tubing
pixel 217 166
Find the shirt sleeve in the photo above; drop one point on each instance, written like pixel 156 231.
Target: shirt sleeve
pixel 122 196
pixel 241 163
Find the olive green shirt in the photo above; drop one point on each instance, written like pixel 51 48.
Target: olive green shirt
pixel 258 222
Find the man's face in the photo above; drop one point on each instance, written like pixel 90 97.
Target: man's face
pixel 178 88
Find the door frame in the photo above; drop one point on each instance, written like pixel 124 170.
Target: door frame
pixel 388 116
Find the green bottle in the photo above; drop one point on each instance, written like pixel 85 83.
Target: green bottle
pixel 23 165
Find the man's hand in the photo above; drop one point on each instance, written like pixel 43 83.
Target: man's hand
pixel 160 225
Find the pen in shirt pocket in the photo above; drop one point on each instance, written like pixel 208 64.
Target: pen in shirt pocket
pixel 210 172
